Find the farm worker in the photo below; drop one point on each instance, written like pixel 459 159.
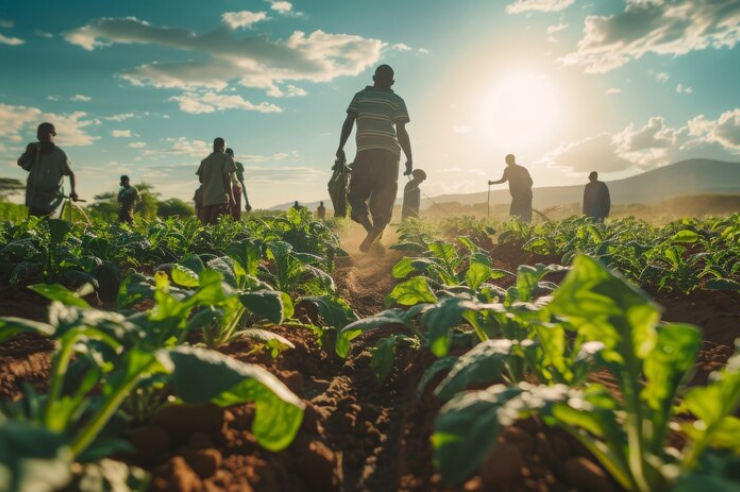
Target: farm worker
pixel 215 172
pixel 520 188
pixel 239 189
pixel 198 199
pixel 381 117
pixel 47 165
pixel 596 200
pixel 321 211
pixel 128 197
pixel 412 195
pixel 297 206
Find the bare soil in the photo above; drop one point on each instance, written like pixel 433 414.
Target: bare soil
pixel 357 434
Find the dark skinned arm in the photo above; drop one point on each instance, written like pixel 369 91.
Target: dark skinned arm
pixel 73 186
pixel 405 141
pixel 349 123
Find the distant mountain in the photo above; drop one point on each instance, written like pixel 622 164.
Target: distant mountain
pixel 689 177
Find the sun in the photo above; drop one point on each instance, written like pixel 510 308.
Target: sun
pixel 520 109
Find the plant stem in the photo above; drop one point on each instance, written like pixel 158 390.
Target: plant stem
pixel 55 387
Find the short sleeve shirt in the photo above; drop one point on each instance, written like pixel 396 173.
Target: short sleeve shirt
pixel 520 182
pixel 45 179
pixel 128 196
pixel 377 111
pixel 214 170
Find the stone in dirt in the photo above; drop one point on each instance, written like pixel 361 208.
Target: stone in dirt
pixel 182 421
pixel 178 477
pixel 318 467
pixel 587 476
pixel 503 465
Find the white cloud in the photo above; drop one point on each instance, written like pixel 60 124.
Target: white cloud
pixel 463 129
pixel 556 28
pixel 18 123
pixel 7 23
pixel 401 47
pixel 423 51
pixel 254 61
pixel 43 34
pixel 245 18
pixel 293 91
pixel 724 131
pixel 655 26
pixel 121 133
pixel 684 89
pixel 119 117
pixel 662 77
pixel 280 6
pixel 10 41
pixel 53 97
pixel 653 145
pixel 520 6
pixel 137 145
pixel 210 102
pixel 80 98
pixel 613 90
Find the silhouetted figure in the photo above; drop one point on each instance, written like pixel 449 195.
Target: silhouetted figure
pixel 596 200
pixel 47 165
pixel 198 199
pixel 128 197
pixel 215 172
pixel 321 211
pixel 520 188
pixel 238 189
pixel 297 206
pixel 381 117
pixel 412 195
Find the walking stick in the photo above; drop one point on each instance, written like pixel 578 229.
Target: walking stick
pixel 488 205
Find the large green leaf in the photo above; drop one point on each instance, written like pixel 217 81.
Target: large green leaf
pixel 440 319
pixel 185 277
pixel 394 316
pixel 335 312
pixel 56 292
pixel 247 253
pixel 58 230
pixel 10 327
pixel 409 265
pixel 411 292
pixel 203 375
pixel 483 364
pixel 32 459
pixel 437 367
pixel 477 274
pixel 267 304
pixel 383 357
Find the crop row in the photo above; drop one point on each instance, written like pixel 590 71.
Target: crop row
pixel 534 347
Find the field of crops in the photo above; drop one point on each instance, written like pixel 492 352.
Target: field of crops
pixel 270 355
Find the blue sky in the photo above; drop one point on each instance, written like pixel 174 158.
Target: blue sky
pixel 568 86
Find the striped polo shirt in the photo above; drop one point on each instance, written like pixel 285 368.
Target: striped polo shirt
pixel 377 111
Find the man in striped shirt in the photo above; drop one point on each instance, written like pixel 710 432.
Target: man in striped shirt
pixel 381 118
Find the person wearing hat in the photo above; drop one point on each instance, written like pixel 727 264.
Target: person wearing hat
pixel 239 189
pixel 47 165
pixel 128 197
pixel 381 118
pixel 412 195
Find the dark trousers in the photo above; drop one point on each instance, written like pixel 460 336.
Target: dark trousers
pixel 521 206
pixel 374 178
pixel 236 207
pixel 37 212
pixel 126 214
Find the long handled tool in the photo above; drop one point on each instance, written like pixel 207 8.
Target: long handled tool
pixel 488 204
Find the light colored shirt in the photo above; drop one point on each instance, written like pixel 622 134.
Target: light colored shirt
pixel 377 111
pixel 215 171
pixel 44 186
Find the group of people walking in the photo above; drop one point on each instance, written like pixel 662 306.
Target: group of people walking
pixel 380 117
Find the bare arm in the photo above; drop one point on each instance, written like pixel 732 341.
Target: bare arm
pixel 503 179
pixel 73 185
pixel 26 160
pixel 349 123
pixel 405 142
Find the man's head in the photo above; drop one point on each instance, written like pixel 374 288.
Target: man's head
pixel 510 159
pixel 230 151
pixel 593 176
pixel 295 203
pixel 46 132
pixel 219 144
pixel 419 175
pixel 383 77
pixel 125 180
pixel 321 204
